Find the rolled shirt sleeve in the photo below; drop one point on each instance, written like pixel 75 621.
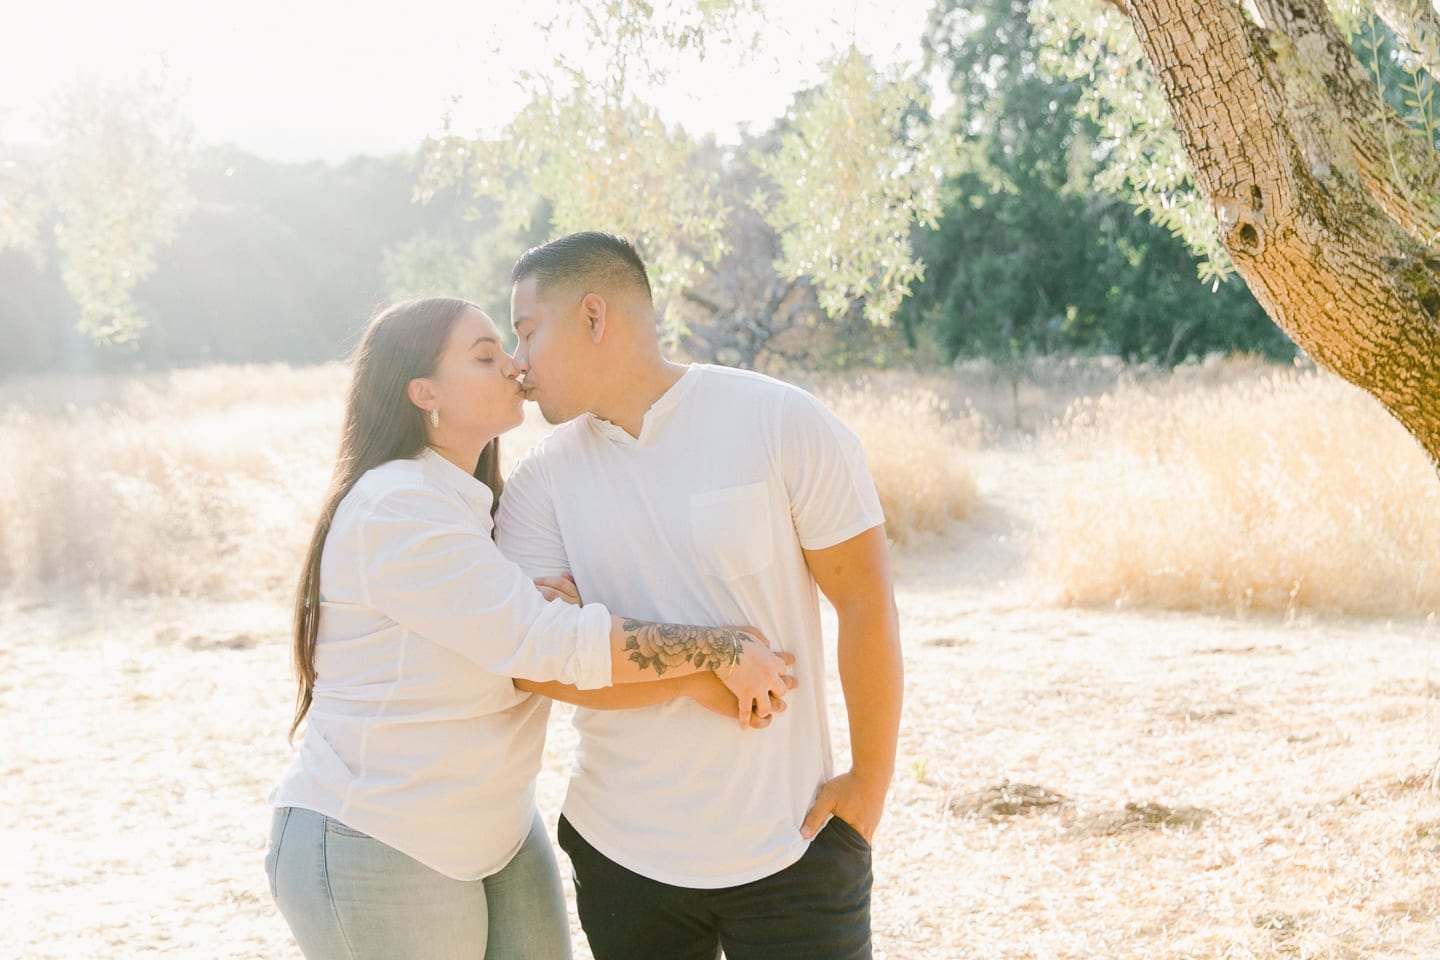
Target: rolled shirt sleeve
pixel 434 569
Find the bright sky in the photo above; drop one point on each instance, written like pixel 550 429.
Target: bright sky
pixel 321 79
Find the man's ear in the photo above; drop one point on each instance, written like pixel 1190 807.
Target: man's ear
pixel 594 310
pixel 421 392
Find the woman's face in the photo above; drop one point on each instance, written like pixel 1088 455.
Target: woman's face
pixel 551 339
pixel 475 386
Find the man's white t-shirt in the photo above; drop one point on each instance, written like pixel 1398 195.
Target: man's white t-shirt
pixel 701 519
pixel 416 735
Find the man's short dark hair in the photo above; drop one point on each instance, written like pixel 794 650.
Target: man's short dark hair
pixel 592 257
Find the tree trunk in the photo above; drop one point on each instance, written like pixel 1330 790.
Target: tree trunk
pixel 1328 205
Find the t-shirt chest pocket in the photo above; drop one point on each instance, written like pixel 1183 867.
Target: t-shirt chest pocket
pixel 731 530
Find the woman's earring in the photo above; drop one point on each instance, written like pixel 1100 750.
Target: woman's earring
pixel 435 417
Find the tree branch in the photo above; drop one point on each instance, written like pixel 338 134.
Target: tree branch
pixel 1327 91
pixel 1269 117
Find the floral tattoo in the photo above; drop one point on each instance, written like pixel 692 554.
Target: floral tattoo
pixel 666 645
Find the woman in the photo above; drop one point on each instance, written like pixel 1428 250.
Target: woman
pixel 406 826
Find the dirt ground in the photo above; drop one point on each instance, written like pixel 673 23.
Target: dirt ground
pixel 1070 784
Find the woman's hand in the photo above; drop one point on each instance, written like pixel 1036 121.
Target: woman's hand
pixel 707 690
pixel 559 588
pixel 756 676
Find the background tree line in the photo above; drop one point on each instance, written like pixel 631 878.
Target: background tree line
pixel 1022 253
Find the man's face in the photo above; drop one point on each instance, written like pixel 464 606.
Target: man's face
pixel 550 338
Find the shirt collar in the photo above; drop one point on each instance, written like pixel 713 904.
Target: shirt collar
pixel 660 411
pixel 450 477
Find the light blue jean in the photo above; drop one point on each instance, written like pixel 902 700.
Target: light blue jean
pixel 347 896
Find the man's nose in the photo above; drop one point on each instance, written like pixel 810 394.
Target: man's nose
pixel 520 360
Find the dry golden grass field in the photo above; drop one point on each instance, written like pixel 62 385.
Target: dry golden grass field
pixel 1173 674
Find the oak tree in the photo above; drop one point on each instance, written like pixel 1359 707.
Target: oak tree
pixel 1259 128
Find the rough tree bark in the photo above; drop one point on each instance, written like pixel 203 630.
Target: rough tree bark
pixel 1328 204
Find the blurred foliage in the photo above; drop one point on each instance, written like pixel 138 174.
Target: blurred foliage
pixel 1033 255
pixel 1398 41
pixel 277 261
pixel 1140 159
pixel 22 201
pixel 852 175
pixel 1010 221
pixel 112 190
pixel 846 182
pixel 434 264
pixel 588 146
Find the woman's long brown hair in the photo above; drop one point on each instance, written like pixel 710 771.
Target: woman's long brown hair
pixel 381 424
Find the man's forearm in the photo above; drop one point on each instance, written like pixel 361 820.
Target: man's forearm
pixel 855 577
pixel 872 676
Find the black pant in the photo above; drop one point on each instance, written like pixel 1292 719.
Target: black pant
pixel 818 908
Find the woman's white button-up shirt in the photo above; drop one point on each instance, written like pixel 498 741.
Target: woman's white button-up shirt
pixel 416 735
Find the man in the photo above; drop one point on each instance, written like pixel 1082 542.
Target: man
pixel 701 494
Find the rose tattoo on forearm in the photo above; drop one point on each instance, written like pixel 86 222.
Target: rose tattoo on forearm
pixel 666 645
